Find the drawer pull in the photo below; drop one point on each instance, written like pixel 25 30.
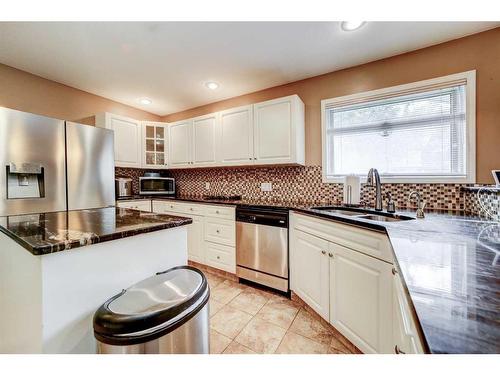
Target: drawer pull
pixel 394 271
pixel 323 252
pixel 217 211
pixel 330 255
pixel 191 209
pixel 217 231
pixel 218 257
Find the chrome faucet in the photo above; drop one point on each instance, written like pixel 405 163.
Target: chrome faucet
pixel 373 179
pixel 420 204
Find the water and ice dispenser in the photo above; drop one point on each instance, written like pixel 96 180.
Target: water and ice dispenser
pixel 25 180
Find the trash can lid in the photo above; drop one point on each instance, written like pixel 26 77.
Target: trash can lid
pixel 155 305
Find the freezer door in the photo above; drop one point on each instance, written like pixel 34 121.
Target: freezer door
pixel 32 146
pixel 90 166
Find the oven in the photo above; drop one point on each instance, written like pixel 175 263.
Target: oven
pixel 154 184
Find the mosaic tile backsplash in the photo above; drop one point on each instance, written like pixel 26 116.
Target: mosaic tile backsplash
pixel 299 184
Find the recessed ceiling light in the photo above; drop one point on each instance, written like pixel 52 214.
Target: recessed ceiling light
pixel 145 101
pixel 351 25
pixel 212 85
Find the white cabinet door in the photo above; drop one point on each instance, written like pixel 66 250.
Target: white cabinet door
pixel 361 299
pixel 279 131
pixel 204 137
pixel 236 136
pixel 127 138
pixel 154 145
pixel 180 141
pixel 195 240
pixel 405 335
pixel 309 271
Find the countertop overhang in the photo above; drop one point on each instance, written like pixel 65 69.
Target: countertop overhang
pixel 50 232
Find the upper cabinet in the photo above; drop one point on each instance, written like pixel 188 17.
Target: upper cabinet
pixel 127 138
pixel 235 138
pixel 180 141
pixel 154 144
pixel 204 138
pixel 279 131
pixel 270 132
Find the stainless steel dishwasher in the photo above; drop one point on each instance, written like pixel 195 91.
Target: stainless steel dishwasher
pixel 262 246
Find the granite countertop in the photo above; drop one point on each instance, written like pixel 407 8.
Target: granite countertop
pixel 487 189
pixel 450 266
pixel 51 232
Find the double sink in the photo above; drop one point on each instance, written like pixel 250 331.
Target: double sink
pixel 361 213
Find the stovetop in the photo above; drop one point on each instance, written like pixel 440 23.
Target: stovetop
pixel 222 197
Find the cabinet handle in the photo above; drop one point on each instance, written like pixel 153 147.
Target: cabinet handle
pixel 254 158
pixel 217 211
pixel 394 271
pixel 330 255
pixel 217 231
pixel 323 252
pixel 191 209
pixel 249 158
pixel 218 257
pixel 398 351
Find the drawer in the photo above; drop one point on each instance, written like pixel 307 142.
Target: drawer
pixel 142 204
pixel 221 212
pixel 179 207
pixel 166 207
pixel 220 256
pixel 192 208
pixel 220 231
pixel 363 240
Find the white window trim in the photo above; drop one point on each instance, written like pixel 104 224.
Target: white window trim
pixel 470 95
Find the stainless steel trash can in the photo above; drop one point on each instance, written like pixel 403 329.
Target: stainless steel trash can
pixel 165 313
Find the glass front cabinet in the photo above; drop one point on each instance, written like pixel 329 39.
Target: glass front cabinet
pixel 154 145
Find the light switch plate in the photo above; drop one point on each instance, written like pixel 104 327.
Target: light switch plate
pixel 266 186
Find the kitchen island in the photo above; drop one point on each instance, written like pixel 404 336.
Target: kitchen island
pixel 57 268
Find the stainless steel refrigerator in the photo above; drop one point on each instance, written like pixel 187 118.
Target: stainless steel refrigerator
pixel 53 165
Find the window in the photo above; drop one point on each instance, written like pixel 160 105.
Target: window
pixel 421 132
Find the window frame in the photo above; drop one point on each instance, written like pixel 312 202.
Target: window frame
pixel 470 128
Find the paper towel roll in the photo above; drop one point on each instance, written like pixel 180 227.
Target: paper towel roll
pixel 352 189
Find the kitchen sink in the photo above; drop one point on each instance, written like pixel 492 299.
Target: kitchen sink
pixel 342 210
pixel 363 214
pixel 384 218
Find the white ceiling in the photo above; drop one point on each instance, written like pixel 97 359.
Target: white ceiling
pixel 170 61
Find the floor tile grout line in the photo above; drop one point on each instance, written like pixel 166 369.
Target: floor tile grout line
pixel 270 297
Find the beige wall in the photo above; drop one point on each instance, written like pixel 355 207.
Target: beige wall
pixel 26 92
pixel 479 51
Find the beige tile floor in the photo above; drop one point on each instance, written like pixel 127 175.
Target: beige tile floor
pixel 247 320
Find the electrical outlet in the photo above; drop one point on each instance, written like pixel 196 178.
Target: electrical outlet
pixel 207 185
pixel 266 186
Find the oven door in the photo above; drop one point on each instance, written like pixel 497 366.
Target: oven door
pixel 154 185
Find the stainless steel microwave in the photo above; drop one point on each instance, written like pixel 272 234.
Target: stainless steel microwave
pixel 156 185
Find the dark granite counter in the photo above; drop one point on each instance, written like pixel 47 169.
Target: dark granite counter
pixel 56 231
pixel 488 189
pixel 450 266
